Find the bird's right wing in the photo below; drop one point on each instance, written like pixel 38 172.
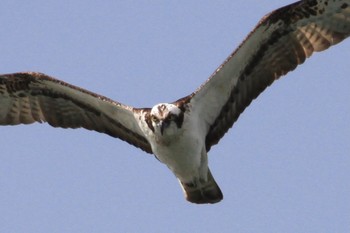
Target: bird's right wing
pixel 26 98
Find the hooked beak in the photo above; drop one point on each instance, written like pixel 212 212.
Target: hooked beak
pixel 164 125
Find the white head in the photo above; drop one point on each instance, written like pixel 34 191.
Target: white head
pixel 164 117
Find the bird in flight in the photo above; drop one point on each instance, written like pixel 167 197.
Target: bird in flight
pixel 180 134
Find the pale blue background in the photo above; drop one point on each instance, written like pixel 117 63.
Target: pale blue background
pixel 284 167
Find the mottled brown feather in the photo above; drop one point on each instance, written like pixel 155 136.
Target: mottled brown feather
pixel 26 98
pixel 285 37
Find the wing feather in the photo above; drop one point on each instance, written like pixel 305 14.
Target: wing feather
pixel 26 98
pixel 279 43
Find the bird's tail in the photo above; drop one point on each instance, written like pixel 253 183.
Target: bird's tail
pixel 202 192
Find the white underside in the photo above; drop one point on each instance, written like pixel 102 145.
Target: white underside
pixel 181 149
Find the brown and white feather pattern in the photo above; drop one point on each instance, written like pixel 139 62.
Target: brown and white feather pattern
pixel 26 98
pixel 282 40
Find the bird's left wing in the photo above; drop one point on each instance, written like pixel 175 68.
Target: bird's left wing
pixel 281 41
pixel 29 97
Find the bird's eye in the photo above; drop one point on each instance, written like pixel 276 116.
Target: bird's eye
pixel 171 117
pixel 154 119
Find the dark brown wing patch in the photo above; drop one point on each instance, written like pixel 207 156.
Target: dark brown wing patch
pixel 298 30
pixel 26 98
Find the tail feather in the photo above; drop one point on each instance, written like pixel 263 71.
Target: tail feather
pixel 203 192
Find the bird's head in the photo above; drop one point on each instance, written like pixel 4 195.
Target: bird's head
pixel 166 119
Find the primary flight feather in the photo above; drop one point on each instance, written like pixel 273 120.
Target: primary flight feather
pixel 181 133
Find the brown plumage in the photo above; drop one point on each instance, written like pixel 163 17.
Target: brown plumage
pixel 280 42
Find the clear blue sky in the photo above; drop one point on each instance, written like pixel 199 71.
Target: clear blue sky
pixel 283 167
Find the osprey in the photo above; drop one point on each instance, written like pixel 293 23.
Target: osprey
pixel 181 133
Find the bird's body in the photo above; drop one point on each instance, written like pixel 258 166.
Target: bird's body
pixel 178 148
pixel 181 133
pixel 182 148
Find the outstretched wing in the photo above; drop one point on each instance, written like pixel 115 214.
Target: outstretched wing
pixel 26 98
pixel 282 40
